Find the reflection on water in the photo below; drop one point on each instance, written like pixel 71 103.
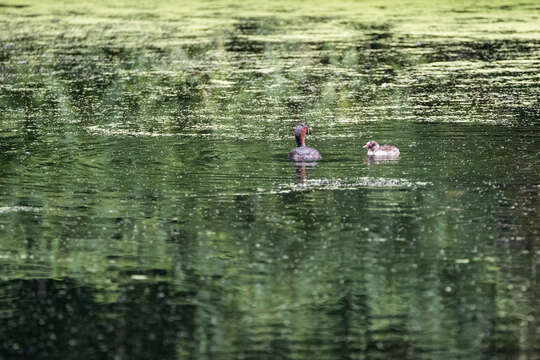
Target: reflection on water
pixel 370 160
pixel 301 172
pixel 148 210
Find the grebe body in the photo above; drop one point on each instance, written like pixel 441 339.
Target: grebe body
pixel 381 151
pixel 303 152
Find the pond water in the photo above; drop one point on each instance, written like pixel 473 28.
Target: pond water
pixel 148 210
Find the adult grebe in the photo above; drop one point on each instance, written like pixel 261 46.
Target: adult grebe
pixel 303 152
pixel 381 152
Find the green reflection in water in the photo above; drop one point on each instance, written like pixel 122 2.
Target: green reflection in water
pixel 147 209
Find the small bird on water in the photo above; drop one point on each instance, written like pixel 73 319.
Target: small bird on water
pixel 377 151
pixel 303 152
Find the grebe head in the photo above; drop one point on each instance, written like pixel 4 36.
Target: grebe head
pixel 300 132
pixel 371 145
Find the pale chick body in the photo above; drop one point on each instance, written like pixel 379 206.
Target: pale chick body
pixel 389 152
pixel 303 152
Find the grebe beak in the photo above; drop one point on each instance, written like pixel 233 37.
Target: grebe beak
pixel 365 146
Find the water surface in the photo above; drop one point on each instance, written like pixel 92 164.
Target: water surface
pixel 147 208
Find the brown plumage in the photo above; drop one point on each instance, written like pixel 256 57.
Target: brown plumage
pixel 303 152
pixel 384 151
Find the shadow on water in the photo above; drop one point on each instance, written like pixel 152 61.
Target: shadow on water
pixel 15 6
pixel 58 318
pixel 238 40
pixel 494 50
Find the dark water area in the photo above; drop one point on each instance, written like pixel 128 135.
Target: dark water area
pixel 148 210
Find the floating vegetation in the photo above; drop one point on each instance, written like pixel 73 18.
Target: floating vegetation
pixel 267 65
pixel 15 209
pixel 350 184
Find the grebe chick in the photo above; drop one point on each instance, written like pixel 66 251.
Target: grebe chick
pixel 381 152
